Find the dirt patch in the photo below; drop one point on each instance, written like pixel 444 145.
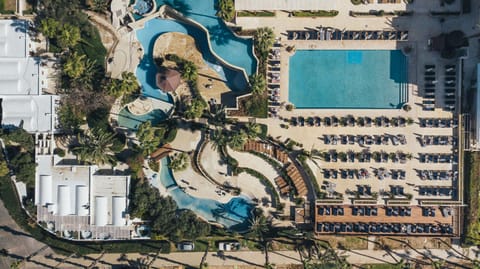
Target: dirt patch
pixel 10 5
pixel 411 242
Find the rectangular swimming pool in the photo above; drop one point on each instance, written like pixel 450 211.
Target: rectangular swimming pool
pixel 348 79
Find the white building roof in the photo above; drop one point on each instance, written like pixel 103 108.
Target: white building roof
pixel 114 189
pixel 288 5
pixel 32 113
pixel 19 76
pixel 14 40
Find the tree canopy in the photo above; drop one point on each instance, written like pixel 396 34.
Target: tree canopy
pixel 166 218
pixel 95 147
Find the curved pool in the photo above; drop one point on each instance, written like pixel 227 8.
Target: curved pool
pixel 234 215
pixel 131 121
pixel 147 69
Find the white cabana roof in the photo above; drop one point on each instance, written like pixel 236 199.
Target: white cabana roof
pixel 288 5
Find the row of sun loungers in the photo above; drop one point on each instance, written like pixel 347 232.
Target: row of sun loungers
pixel 450 86
pixel 364 139
pixel 327 33
pixel 438 175
pixel 274 81
pixel 346 173
pixel 436 140
pixel 365 156
pixel 384 228
pixel 330 210
pixel 437 158
pixel 272 151
pixel 430 87
pixel 349 121
pixel 294 174
pixel 435 191
pixel 438 123
pixel 280 155
pixel 282 185
pixel 382 173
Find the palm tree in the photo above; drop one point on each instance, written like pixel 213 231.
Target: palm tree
pixel 129 83
pixel 263 38
pixel 88 75
pixel 226 10
pixel 49 27
pixel 95 147
pixel 252 130
pixel 219 140
pixel 69 36
pixel 257 84
pixel 99 5
pixel 179 162
pixel 259 227
pixel 238 140
pixel 74 66
pixel 189 71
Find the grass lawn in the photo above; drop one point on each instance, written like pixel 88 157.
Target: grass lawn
pixel 472 190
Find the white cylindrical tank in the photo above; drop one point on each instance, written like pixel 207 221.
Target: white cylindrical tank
pixel 63 200
pixel 101 211
pixel 45 192
pixel 81 200
pixel 118 207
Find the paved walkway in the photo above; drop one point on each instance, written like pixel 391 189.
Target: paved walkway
pixel 250 258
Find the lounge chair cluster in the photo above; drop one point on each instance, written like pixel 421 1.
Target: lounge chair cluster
pixel 346 173
pixel 438 123
pixel 436 140
pixel 438 175
pixel 330 210
pixel 365 156
pixel 365 139
pixel 430 88
pixel 349 121
pixel 382 173
pixel 450 86
pixel 437 158
pixel 383 228
pixel 398 211
pixel 436 191
pixel 282 185
pixel 364 211
pixel 329 33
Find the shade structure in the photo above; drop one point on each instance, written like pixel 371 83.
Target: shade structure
pixel 168 80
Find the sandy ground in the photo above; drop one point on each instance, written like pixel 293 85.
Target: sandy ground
pixel 210 84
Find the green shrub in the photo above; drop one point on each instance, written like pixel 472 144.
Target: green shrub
pixel 98 119
pixel 257 106
pixel 119 142
pixel 59 151
pixel 170 136
pixel 255 14
pixel 315 13
pixel 356 2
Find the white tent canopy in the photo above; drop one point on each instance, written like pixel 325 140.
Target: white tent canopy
pixel 288 5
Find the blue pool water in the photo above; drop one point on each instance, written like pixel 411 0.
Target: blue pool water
pixel 143 6
pixel 236 51
pixel 234 215
pixel 348 79
pixel 128 120
pixel 147 69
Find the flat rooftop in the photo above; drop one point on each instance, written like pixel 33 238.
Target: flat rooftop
pixel 14 40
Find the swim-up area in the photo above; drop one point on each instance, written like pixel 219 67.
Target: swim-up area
pixel 348 79
pixel 147 69
pixel 232 49
pixel 234 215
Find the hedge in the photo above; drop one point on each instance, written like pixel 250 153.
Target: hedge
pixel 315 13
pixel 255 14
